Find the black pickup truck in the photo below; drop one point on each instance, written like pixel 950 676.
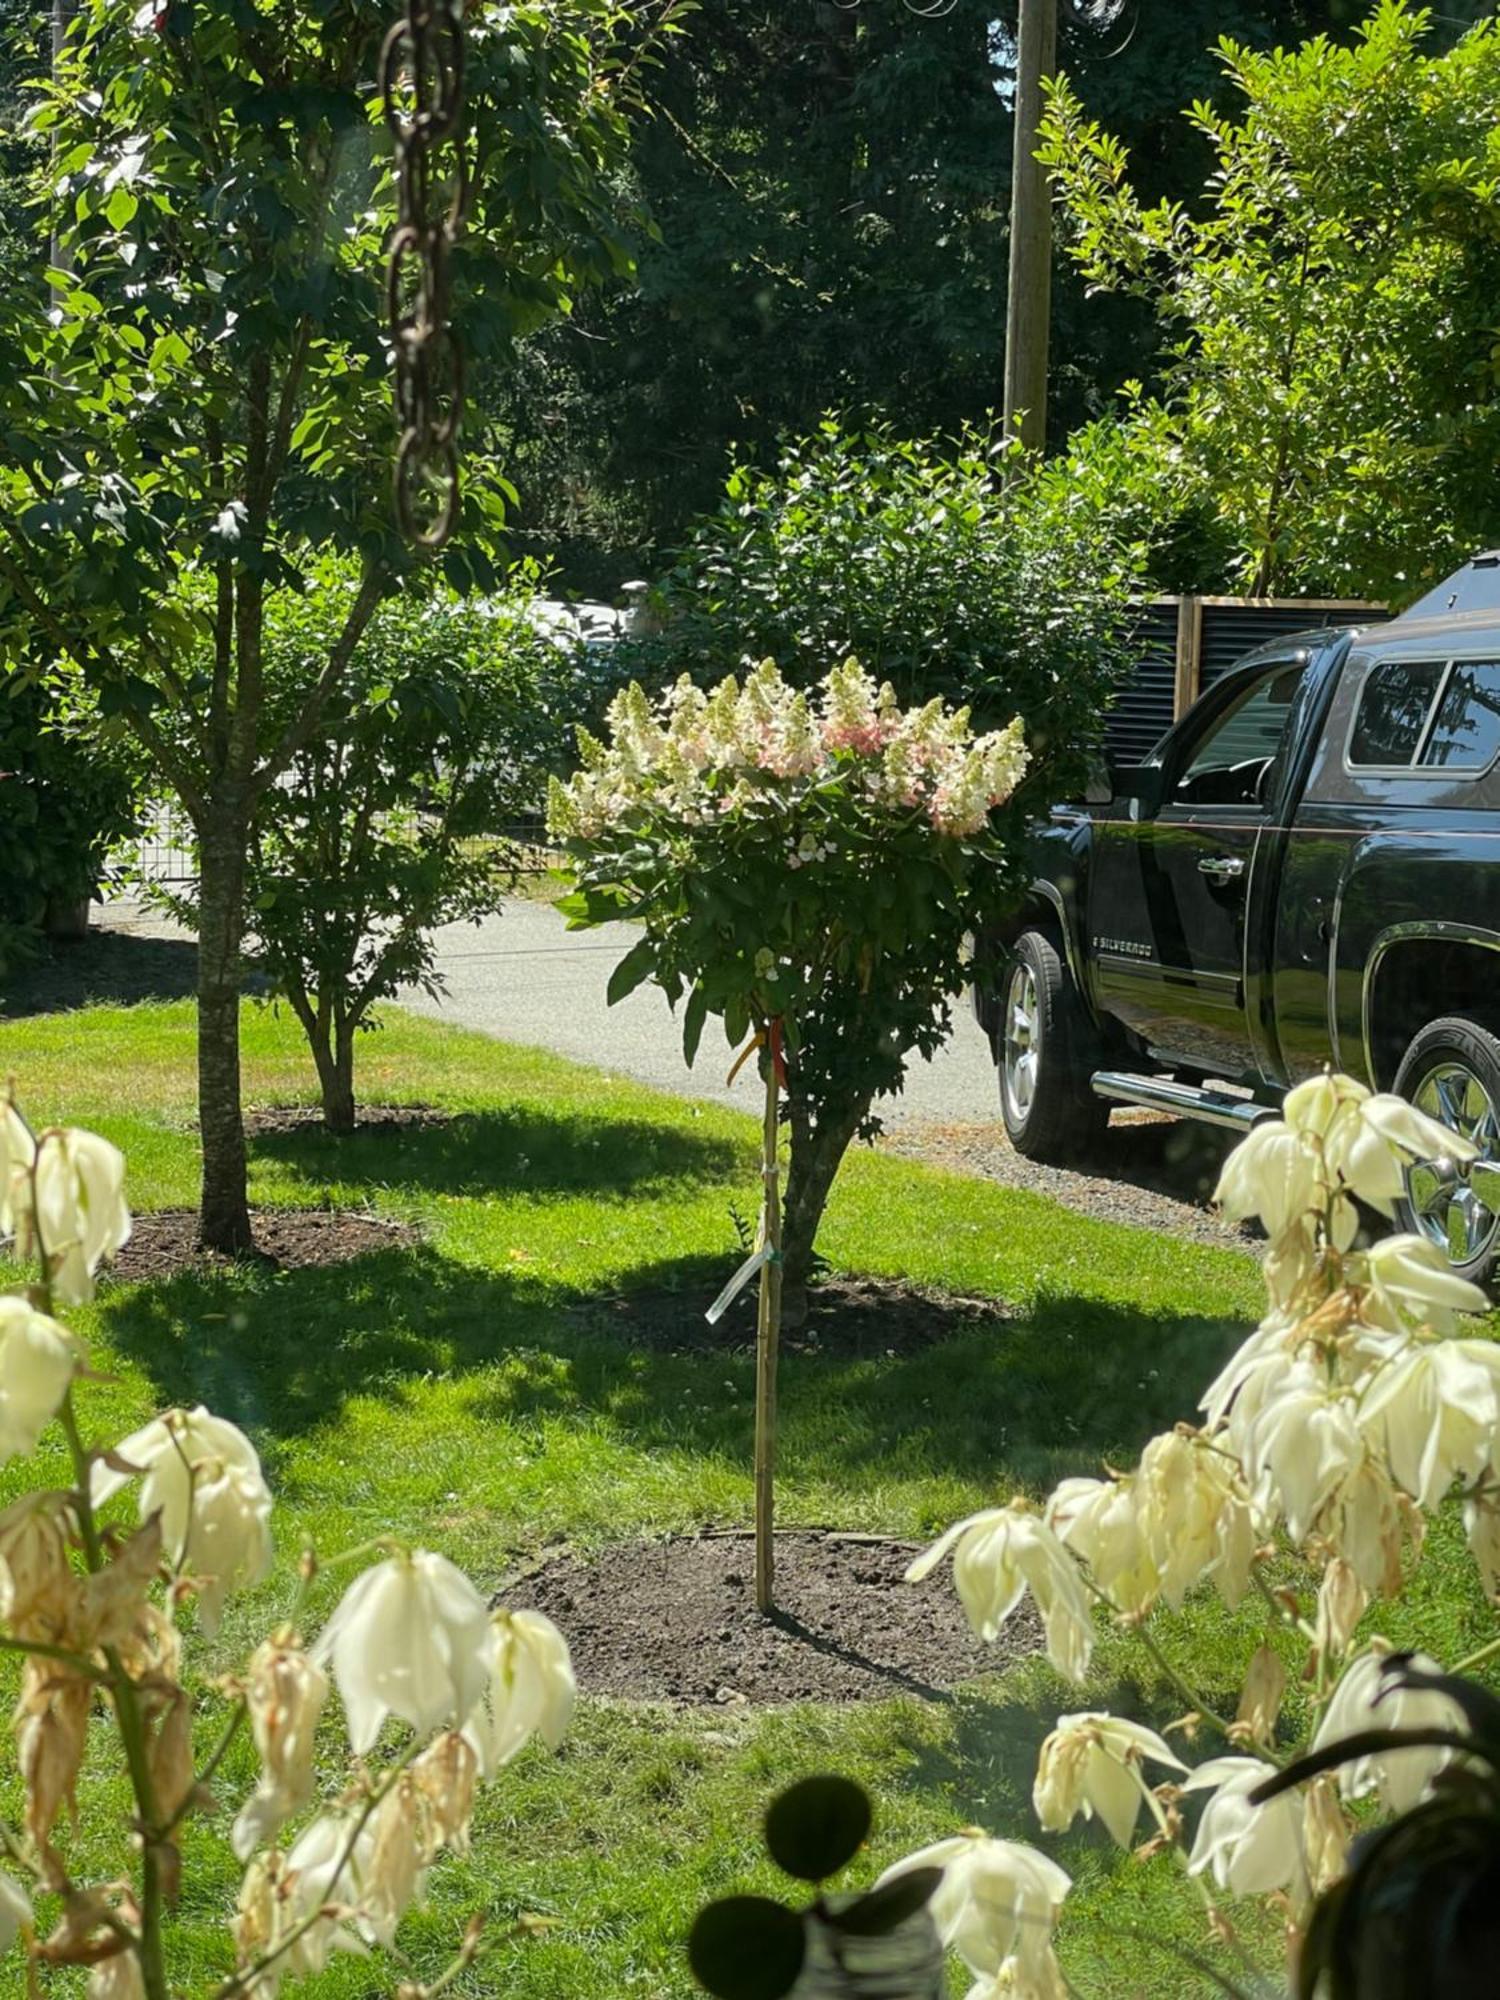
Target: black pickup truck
pixel 1305 871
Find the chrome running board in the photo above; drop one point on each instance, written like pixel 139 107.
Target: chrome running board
pixel 1186 1100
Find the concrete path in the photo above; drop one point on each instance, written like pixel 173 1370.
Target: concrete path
pixel 524 977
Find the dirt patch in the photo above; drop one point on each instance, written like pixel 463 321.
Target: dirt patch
pixel 273 1119
pixel 675 1620
pixel 847 1319
pixel 165 1241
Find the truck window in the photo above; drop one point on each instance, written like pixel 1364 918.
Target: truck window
pixel 1230 760
pixel 1394 705
pixel 1465 734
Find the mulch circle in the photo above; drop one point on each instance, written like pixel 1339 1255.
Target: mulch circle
pixel 278 1118
pixel 847 1319
pixel 675 1620
pixel 165 1241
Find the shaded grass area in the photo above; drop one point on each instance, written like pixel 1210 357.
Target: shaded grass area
pixel 472 1393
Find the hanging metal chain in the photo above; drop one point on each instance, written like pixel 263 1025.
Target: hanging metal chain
pixel 422 84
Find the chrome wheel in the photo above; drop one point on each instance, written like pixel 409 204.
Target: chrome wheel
pixel 1456 1204
pixel 1022 1057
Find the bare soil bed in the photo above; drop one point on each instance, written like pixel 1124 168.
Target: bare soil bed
pixel 274 1119
pixel 847 1319
pixel 165 1241
pixel 675 1620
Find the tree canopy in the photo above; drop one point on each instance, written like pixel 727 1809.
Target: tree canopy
pixel 1329 396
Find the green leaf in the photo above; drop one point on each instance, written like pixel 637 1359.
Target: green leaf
pixel 692 1024
pixel 817 1827
pixel 121 208
pixel 637 964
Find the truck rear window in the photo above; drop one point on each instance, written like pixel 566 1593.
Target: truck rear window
pixel 1394 706
pixel 1465 733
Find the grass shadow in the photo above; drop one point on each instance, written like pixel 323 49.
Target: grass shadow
pixel 103 967
pixel 512 1150
pixel 1058 1389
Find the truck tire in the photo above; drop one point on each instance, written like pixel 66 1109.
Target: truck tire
pixel 1451 1070
pixel 1043 1044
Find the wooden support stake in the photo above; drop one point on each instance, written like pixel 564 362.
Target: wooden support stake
pixel 767 1341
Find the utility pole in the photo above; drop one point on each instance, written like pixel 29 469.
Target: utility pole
pixel 1028 312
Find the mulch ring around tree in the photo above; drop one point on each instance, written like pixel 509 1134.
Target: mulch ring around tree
pixel 165 1241
pixel 675 1620
pixel 280 1118
pixel 847 1319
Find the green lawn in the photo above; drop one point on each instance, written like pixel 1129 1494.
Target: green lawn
pixel 468 1393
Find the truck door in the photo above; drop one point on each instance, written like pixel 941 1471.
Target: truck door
pixel 1169 888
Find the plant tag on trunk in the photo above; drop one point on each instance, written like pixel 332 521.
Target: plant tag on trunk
pixel 752 1264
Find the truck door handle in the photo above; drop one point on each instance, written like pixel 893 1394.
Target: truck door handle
pixel 1221 868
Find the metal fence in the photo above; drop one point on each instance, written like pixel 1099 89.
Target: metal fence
pixel 1182 644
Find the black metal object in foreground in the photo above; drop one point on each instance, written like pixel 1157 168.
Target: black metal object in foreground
pixel 422 84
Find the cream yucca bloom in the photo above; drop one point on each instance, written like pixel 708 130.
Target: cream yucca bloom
pixel 284 1697
pixel 1410 1280
pixel 1299 1448
pixel 996 1906
pixel 64 1202
pixel 1434 1414
pixel 1195 1517
pixel 15 1911
pixel 1272 1174
pixel 1249 1849
pixel 1482 1526
pixel 997 1557
pixel 1090 1764
pixel 529 1689
pixel 202 1475
pixel 1099 1520
pixel 409 1638
pixel 38 1360
pixel 117 1978
pixel 1366 1699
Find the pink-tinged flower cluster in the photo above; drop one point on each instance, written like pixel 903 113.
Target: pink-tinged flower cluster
pixel 698 755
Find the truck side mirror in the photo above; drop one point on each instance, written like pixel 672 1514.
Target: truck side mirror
pixel 1106 784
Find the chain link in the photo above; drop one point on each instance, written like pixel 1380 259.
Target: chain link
pixel 422 84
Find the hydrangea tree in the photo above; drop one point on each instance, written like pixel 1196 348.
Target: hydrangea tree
pixel 1327 1444
pixel 805 868
pixel 808 869
pixel 95 1597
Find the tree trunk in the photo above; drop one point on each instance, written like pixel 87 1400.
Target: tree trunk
pixel 816 1153
pixel 333 1053
pixel 224 1217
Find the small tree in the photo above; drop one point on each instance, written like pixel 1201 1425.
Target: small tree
pixel 1329 406
pixel 396 817
pixel 204 413
pixel 809 875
